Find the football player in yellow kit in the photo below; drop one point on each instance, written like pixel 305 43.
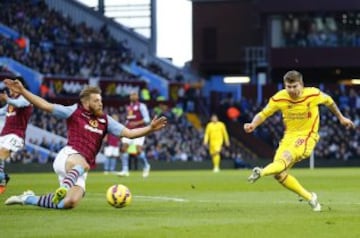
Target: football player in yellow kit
pixel 299 106
pixel 215 136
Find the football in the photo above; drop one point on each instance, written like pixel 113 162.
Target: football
pixel 118 196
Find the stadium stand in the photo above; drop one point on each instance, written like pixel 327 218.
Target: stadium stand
pixel 72 53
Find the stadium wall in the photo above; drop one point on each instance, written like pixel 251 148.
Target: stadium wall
pixel 155 165
pixel 190 165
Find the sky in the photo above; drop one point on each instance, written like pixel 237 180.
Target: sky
pixel 174 24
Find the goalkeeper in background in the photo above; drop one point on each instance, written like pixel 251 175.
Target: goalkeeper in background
pixel 215 136
pixel 300 111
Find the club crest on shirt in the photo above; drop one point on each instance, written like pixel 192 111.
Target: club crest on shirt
pixel 10 108
pixel 93 123
pixel 299 142
pixel 131 115
pixel 93 127
pixel 10 111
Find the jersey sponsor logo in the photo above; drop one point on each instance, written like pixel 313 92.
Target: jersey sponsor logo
pixel 92 129
pixel 297 115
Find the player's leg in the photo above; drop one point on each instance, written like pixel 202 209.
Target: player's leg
pixel 302 150
pixel 143 158
pixel 139 142
pixel 124 155
pixel 291 183
pixel 277 166
pixel 75 166
pixel 214 150
pixel 115 153
pixel 282 159
pixel 107 162
pixel 8 144
pixel 71 200
pixel 216 162
pixel 4 154
pixel 113 161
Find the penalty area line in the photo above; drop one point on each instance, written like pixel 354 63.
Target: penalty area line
pixel 161 198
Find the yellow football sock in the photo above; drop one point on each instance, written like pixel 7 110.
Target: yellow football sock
pixel 216 160
pixel 291 183
pixel 274 168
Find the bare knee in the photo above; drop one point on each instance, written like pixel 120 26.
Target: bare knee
pixel 4 153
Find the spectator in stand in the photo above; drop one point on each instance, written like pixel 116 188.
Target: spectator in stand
pixel 145 94
pixel 233 113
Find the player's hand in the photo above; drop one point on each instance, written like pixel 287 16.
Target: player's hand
pixel 3 97
pixel 347 123
pixel 15 85
pixel 249 127
pixel 158 123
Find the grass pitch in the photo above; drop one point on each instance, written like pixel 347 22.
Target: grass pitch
pixel 191 204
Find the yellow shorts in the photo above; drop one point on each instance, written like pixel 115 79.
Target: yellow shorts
pixel 214 148
pixel 299 147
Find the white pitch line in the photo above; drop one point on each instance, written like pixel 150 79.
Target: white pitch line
pixel 162 198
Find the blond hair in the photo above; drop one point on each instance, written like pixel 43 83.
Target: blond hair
pixel 87 91
pixel 293 76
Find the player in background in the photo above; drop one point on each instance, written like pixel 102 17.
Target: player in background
pixel 12 137
pixel 137 116
pixel 215 136
pixel 87 125
pixel 111 150
pixel 299 106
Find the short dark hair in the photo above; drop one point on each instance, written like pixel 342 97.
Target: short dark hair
pixel 293 76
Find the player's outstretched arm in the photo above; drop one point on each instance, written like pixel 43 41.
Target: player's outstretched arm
pixel 343 120
pixel 17 87
pixel 156 124
pixel 250 127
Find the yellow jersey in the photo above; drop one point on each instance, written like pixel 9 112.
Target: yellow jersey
pixel 301 116
pixel 215 133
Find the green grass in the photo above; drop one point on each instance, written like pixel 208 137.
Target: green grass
pixel 191 204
